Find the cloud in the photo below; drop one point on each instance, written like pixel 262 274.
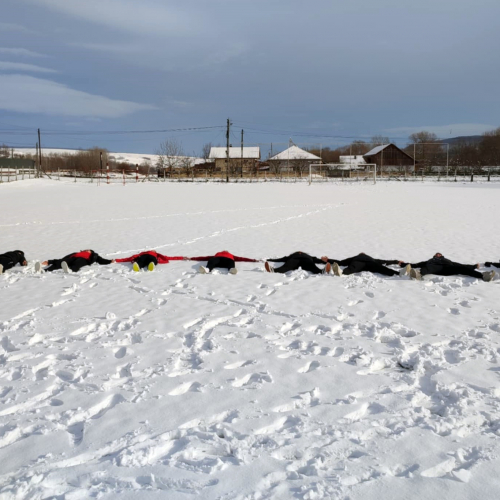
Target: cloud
pixel 20 52
pixel 14 27
pixel 31 68
pixel 126 15
pixel 27 94
pixel 446 131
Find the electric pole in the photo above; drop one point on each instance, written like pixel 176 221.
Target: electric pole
pixel 39 154
pixel 227 150
pixel 242 153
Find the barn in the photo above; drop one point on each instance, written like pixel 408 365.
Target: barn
pixel 390 157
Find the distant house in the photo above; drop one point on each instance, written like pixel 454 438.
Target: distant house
pixel 389 157
pixel 245 158
pixel 293 158
pixel 354 160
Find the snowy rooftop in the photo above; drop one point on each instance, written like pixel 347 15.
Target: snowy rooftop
pixel 353 159
pixel 376 150
pixel 295 153
pixel 252 152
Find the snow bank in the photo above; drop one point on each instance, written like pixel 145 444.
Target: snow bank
pixel 257 385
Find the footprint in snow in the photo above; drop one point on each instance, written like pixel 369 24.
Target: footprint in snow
pixel 453 310
pixel 187 387
pixel 309 367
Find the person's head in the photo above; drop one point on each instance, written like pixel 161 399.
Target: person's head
pixel 437 255
pixel 21 255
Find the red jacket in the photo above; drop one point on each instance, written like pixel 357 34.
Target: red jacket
pixel 225 254
pixel 162 259
pixel 83 255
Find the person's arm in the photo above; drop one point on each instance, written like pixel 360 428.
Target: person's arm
pixel 199 259
pixel 126 259
pixel 244 259
pixel 489 264
pixel 385 262
pixel 417 264
pixel 280 259
pixel 101 260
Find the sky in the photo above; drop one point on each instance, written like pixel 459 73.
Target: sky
pixel 126 74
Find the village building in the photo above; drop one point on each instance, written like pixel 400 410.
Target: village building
pixel 240 158
pixel 390 157
pixel 293 159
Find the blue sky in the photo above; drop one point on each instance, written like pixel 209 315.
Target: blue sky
pixel 320 72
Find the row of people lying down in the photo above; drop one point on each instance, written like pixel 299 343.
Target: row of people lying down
pixel 437 265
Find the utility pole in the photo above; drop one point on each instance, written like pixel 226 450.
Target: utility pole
pixel 100 158
pixel 39 153
pixel 227 149
pixel 37 173
pixel 242 153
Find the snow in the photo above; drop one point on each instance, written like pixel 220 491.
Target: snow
pixel 235 152
pixel 376 150
pixel 295 153
pixel 177 385
pixel 132 158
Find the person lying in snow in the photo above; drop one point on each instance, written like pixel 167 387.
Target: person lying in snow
pixel 10 259
pixel 224 260
pixel 441 266
pixel 296 260
pixel 74 261
pixel 364 262
pixel 149 260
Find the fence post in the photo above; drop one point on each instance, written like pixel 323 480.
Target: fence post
pixel 58 173
pixel 74 173
pixel 107 173
pixel 136 173
pixel 123 173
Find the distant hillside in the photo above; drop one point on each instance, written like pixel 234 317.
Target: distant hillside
pixel 469 139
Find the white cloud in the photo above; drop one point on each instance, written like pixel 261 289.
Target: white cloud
pixel 31 68
pixel 445 131
pixel 20 52
pixel 27 94
pixel 127 15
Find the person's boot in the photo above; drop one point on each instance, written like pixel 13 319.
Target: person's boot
pixel 38 267
pixel 65 267
pixel 405 271
pixel 268 267
pixel 488 276
pixel 151 266
pixel 203 270
pixel 135 267
pixel 415 274
pixel 336 269
pixel 327 269
pixel 1 269
pixel 233 270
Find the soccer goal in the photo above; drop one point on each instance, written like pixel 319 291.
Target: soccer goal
pixel 324 172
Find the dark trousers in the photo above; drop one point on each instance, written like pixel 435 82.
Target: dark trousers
pixel 74 264
pixel 372 267
pixel 305 263
pixel 451 271
pixel 224 262
pixel 144 260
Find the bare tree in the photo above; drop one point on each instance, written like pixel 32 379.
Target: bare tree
pixel 168 155
pixel 425 152
pixel 4 151
pixel 379 140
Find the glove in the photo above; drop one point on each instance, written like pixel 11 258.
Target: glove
pixel 487 264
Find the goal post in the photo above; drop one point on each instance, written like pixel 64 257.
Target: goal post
pixel 344 171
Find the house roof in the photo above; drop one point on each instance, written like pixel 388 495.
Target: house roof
pixel 295 153
pixel 376 150
pixel 252 152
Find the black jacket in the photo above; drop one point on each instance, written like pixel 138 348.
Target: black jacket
pixel 362 257
pixel 297 255
pixel 94 258
pixel 14 257
pixel 438 262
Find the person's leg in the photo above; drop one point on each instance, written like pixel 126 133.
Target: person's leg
pixel 221 262
pixel 463 270
pixel 308 265
pixel 355 266
pixel 373 267
pixel 289 265
pixel 54 265
pixel 144 260
pixel 76 264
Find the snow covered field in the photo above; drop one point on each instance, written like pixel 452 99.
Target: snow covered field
pixel 178 385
